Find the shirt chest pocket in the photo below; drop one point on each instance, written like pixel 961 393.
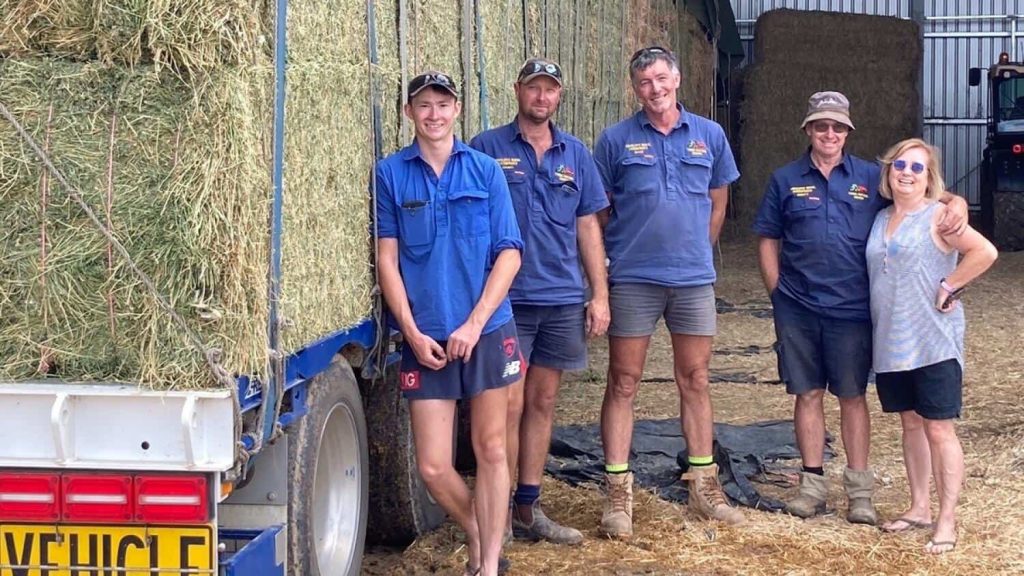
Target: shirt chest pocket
pixel 469 214
pixel 639 175
pixel 417 224
pixel 859 215
pixel 694 173
pixel 803 217
pixel 560 201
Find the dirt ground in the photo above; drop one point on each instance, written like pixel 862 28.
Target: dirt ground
pixel 669 540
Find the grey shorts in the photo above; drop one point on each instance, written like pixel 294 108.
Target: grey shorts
pixel 552 336
pixel 636 308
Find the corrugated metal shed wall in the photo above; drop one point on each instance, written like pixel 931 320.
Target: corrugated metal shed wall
pixel 959 35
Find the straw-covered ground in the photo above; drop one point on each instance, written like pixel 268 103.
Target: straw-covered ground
pixel 669 540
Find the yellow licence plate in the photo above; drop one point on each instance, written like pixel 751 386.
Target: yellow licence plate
pixel 48 550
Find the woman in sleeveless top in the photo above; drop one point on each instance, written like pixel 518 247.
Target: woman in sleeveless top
pixel 919 330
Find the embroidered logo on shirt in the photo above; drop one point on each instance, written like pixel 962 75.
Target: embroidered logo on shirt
pixel 859 191
pixel 409 380
pixel 564 173
pixel 697 148
pixel 640 149
pixel 803 192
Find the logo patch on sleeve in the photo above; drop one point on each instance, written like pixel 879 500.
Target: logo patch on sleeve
pixel 409 380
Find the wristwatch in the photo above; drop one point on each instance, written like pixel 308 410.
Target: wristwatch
pixel 953 292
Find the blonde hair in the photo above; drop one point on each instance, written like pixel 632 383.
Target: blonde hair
pixel 936 184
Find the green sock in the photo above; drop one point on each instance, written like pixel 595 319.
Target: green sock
pixel 698 461
pixel 616 468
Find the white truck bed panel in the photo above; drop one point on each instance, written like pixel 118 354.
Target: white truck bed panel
pixel 115 427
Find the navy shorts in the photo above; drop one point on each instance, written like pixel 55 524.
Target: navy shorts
pixel 816 352
pixel 552 336
pixel 496 362
pixel 935 391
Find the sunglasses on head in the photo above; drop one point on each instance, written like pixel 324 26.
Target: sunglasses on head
pixel 901 165
pixel 536 67
pixel 837 127
pixel 649 51
pixel 433 79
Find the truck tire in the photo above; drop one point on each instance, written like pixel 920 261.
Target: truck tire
pixel 401 508
pixel 328 467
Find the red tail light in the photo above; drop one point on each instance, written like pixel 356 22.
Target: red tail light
pixel 97 498
pixel 1018 148
pixel 30 497
pixel 171 499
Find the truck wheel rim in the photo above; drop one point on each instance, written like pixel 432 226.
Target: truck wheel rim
pixel 337 492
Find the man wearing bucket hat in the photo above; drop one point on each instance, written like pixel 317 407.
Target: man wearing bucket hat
pixel 813 224
pixel 557 192
pixel 448 249
pixel 667 172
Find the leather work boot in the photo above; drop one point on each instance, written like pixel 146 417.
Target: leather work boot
pixel 706 497
pixel 811 500
pixel 860 486
pixel 617 518
pixel 540 527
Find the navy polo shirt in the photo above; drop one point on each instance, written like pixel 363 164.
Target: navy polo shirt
pixel 658 231
pixel 824 227
pixel 548 198
pixel 449 230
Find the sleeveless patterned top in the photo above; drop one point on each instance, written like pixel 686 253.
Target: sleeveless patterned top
pixel 904 273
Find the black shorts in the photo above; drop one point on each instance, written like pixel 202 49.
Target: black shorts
pixel 935 391
pixel 496 362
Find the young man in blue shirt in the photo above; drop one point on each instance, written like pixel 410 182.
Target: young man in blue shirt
pixel 448 249
pixel 557 193
pixel 814 221
pixel 667 173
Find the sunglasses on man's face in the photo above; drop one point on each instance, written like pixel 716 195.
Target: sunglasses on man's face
pixel 901 165
pixel 837 127
pixel 649 51
pixel 536 67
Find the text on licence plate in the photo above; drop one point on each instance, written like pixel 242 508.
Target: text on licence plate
pixel 48 550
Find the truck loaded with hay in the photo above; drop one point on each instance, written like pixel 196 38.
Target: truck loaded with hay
pixel 195 374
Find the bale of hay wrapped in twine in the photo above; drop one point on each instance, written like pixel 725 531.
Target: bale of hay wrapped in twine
pixel 875 62
pixel 160 113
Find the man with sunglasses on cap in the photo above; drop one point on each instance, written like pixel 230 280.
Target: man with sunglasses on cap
pixel 667 173
pixel 557 193
pixel 448 248
pixel 813 225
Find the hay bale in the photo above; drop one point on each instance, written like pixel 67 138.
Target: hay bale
pixel 187 199
pixel 326 277
pixel 184 35
pixel 885 99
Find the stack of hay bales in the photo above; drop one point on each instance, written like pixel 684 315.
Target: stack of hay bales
pixel 161 113
pixel 874 60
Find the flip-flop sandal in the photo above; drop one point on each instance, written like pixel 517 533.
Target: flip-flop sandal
pixel 503 565
pixel 909 524
pixel 933 544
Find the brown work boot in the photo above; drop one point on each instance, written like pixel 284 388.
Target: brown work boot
pixel 617 518
pixel 531 523
pixel 860 486
pixel 706 497
pixel 813 495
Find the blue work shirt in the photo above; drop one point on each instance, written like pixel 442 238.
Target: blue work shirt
pixel 658 231
pixel 547 198
pixel 449 230
pixel 823 226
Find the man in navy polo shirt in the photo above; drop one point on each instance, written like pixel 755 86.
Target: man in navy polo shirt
pixel 557 193
pixel 448 249
pixel 667 173
pixel 814 222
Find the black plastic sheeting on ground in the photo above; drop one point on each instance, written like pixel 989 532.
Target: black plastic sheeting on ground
pixel 658 458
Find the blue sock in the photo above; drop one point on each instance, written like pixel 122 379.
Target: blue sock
pixel 527 494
